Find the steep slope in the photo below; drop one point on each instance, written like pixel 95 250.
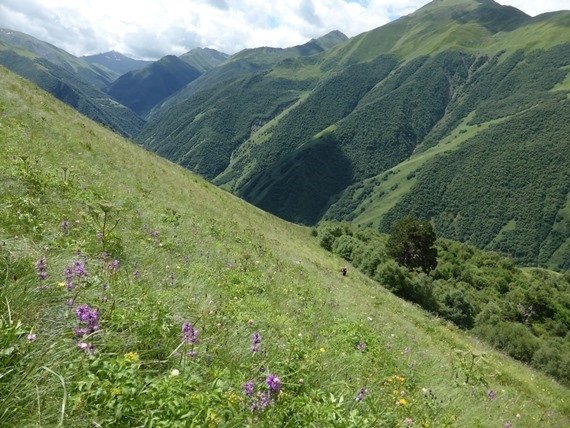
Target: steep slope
pixel 204 59
pixel 67 87
pixel 89 73
pixel 117 62
pixel 141 90
pixel 374 101
pixel 133 292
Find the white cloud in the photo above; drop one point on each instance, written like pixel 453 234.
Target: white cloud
pixel 152 28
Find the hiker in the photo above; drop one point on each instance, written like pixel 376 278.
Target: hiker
pixel 344 270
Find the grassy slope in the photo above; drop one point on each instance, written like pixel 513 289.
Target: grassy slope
pixel 231 263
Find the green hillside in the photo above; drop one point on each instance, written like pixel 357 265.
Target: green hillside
pixel 135 293
pixel 316 129
pixel 68 87
pixel 97 76
pixel 204 59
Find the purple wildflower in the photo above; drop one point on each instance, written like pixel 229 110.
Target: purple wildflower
pixel 89 317
pixel 189 333
pixel 491 395
pixel 255 341
pixel 79 269
pixel 64 225
pixel 41 268
pixel 32 337
pixel 113 267
pixel 248 388
pixel 361 346
pixel 274 383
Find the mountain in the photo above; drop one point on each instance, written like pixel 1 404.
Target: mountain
pixel 395 120
pixel 90 73
pixel 65 85
pixel 204 59
pixel 142 89
pixel 116 62
pixel 135 293
pixel 249 61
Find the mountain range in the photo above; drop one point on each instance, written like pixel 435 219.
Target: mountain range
pixel 457 113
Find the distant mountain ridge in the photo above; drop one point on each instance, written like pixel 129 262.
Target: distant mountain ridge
pixel 117 62
pixel 250 61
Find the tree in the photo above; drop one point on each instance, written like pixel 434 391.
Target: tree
pixel 411 244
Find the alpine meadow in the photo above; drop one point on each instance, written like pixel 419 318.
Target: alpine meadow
pixel 354 232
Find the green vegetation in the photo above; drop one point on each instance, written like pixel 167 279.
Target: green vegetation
pixel 386 123
pixel 67 87
pixel 134 293
pixel 526 314
pixel 141 90
pixel 411 244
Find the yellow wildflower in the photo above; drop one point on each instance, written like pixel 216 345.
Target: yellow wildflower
pixel 402 401
pixel 322 349
pixel 132 356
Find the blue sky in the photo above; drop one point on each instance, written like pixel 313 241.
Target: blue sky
pixel 150 29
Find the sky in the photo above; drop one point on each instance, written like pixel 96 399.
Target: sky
pixel 150 29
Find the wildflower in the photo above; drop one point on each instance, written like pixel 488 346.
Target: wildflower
pixel 248 388
pixel 491 395
pixel 361 394
pixel 41 268
pixel 174 372
pixel 407 350
pixel 255 341
pixel 31 337
pixel 137 274
pixel 88 348
pixel 113 267
pixel 189 333
pixel 408 421
pixel 89 317
pixel 402 402
pixel 274 383
pixel 132 356
pixel 64 225
pixel 79 269
pixel 361 346
pixel 322 350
